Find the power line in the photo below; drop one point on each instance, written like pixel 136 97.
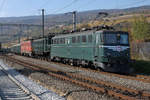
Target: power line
pixel 132 4
pixel 66 6
pixel 87 4
pixel 2 5
pixel 46 2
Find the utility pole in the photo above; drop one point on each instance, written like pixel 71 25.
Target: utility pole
pixel 43 28
pixel 43 22
pixel 74 14
pixel 1 25
pixel 28 34
pixel 74 20
pixel 20 32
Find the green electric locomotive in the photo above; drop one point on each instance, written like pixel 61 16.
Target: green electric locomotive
pixel 104 49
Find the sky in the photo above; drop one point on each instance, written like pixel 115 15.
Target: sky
pixel 15 8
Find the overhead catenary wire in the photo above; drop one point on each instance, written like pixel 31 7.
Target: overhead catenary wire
pixel 45 4
pixel 131 4
pixel 90 2
pixel 85 5
pixel 64 7
pixel 2 5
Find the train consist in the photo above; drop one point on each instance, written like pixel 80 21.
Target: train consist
pixel 105 49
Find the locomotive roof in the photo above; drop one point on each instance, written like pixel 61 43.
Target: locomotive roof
pixel 89 32
pixel 75 33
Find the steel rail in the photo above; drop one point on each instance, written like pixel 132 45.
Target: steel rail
pixel 55 73
pixel 20 85
pixel 143 76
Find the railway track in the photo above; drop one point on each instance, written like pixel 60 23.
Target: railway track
pixel 141 78
pixel 101 86
pixel 11 89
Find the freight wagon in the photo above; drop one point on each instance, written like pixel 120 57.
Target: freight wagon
pixel 41 47
pixel 16 49
pixel 26 48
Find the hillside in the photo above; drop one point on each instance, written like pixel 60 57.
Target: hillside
pixel 8 34
pixel 57 19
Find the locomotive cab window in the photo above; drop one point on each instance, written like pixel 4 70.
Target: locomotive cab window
pixel 61 41
pixel 116 39
pixel 54 41
pixel 49 41
pixel 124 39
pixel 110 38
pixel 84 38
pixel 78 39
pixel 101 38
pixel 73 39
pixel 89 38
pixel 57 41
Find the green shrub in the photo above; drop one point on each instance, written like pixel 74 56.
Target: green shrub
pixel 141 67
pixel 140 29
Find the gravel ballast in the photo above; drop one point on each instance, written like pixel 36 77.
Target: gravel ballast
pixel 133 84
pixel 66 89
pixel 43 93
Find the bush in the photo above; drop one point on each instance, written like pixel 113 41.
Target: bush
pixel 141 67
pixel 140 29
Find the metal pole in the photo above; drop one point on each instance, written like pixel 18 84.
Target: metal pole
pixel 43 22
pixel 1 28
pixel 20 32
pixel 28 35
pixel 43 27
pixel 74 20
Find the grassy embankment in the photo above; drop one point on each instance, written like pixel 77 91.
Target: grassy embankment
pixel 141 67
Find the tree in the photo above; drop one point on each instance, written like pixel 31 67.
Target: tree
pixel 140 29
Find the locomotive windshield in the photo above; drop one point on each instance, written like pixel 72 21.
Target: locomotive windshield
pixel 115 39
pixel 124 39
